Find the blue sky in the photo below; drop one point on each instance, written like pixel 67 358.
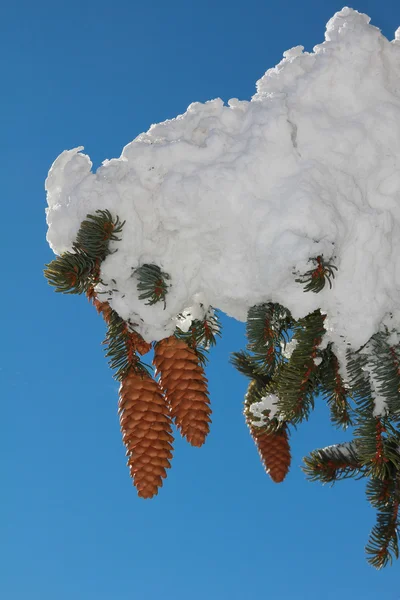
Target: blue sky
pixel 97 74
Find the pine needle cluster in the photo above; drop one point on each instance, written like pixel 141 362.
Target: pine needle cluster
pixel 77 271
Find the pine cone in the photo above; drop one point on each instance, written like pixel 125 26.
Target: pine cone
pixel 274 451
pixel 146 430
pixel 185 388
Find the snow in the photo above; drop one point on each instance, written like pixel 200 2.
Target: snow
pixel 346 449
pixel 233 200
pixel 288 349
pixel 380 402
pixel 267 403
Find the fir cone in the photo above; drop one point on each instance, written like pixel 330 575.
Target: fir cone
pixel 274 451
pixel 146 430
pixel 185 387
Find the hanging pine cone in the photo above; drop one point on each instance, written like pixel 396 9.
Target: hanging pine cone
pixel 274 451
pixel 146 430
pixel 185 388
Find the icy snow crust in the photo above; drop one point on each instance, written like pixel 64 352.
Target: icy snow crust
pixel 233 200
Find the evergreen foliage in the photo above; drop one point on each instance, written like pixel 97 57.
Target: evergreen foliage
pixel 333 463
pixel 315 279
pixel 333 389
pixel 247 365
pixel 121 348
pixel 298 380
pixel 383 543
pixel 202 334
pixel 70 273
pixel 386 368
pixel 152 284
pixel 95 234
pixel 76 272
pixel 267 331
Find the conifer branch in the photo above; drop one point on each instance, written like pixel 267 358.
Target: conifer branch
pixel 333 463
pixel 383 544
pixel 386 369
pixel 121 346
pixel 334 390
pixel 95 234
pixel 202 334
pixel 379 491
pixel 152 284
pixel 316 278
pixel 78 271
pixel 247 365
pixel 70 273
pixel 267 332
pixel 298 379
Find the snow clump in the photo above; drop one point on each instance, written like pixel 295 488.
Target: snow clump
pixel 232 201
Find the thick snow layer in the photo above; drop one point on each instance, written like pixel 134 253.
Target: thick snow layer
pixel 233 200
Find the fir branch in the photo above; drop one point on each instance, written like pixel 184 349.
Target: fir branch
pixel 246 364
pixel 298 381
pixel 383 544
pixel 377 438
pixel 121 346
pixel 316 278
pixel 95 234
pixel 70 273
pixel 152 284
pixel 360 386
pixel 201 335
pixel 76 272
pixel 379 491
pixel 333 389
pixel 377 442
pixel 203 332
pixel 267 331
pixel 333 463
pixel 386 370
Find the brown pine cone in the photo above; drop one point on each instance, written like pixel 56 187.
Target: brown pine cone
pixel 274 451
pixel 185 388
pixel 146 432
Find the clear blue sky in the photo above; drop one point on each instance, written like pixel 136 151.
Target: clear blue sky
pixel 97 74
